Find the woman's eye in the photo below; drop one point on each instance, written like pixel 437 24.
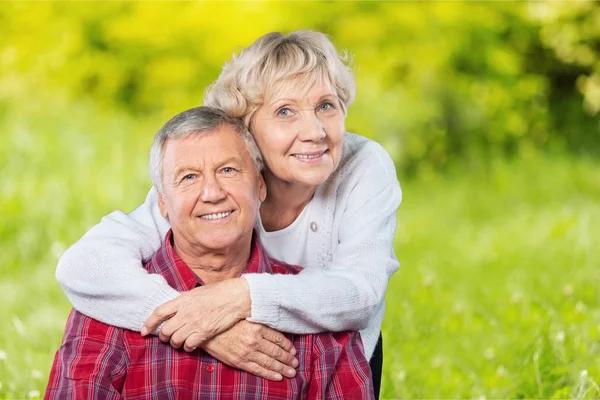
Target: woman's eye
pixel 326 106
pixel 284 112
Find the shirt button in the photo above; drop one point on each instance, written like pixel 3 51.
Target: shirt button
pixel 210 368
pixel 313 226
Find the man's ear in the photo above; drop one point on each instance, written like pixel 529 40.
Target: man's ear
pixel 262 188
pixel 162 205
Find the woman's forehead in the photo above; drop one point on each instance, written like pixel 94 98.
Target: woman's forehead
pixel 299 89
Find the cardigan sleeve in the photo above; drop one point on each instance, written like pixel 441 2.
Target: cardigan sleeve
pixel 346 293
pixel 102 274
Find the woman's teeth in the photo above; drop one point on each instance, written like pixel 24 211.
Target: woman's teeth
pixel 306 156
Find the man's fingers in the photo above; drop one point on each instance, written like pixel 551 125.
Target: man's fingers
pixel 271 364
pixel 277 353
pixel 158 316
pixel 279 339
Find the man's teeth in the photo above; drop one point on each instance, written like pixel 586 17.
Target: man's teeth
pixel 306 156
pixel 217 215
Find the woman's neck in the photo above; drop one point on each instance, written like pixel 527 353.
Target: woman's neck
pixel 284 203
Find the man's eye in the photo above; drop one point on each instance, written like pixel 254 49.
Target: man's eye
pixel 189 177
pixel 228 170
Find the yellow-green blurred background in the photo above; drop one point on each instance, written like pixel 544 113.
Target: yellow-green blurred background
pixel 489 109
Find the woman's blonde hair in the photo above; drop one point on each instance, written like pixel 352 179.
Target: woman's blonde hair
pixel 305 57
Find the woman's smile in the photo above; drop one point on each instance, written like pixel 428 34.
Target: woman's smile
pixel 300 133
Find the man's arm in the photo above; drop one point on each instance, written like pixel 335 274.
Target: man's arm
pixel 91 362
pixel 340 369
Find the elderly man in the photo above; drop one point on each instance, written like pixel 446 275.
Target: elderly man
pixel 206 169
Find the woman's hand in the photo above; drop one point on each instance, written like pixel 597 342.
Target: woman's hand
pixel 199 314
pixel 256 349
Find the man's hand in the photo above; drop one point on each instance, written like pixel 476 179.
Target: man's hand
pixel 199 314
pixel 256 349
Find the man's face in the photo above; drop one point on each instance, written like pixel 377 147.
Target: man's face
pixel 211 189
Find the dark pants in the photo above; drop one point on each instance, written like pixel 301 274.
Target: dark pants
pixel 376 364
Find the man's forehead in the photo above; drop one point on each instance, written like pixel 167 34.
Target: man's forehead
pixel 207 147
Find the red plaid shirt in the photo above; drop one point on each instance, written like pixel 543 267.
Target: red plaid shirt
pixel 99 361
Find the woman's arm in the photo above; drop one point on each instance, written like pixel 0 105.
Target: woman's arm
pixel 102 274
pixel 103 277
pixel 343 296
pixel 346 293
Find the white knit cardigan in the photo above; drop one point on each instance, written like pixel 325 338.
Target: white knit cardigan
pixel 350 248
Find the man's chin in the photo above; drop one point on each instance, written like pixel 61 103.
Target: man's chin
pixel 218 243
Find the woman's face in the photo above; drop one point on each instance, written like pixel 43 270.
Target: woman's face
pixel 300 133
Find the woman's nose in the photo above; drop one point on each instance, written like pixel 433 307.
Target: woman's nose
pixel 312 128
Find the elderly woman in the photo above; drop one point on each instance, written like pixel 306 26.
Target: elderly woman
pixel 331 207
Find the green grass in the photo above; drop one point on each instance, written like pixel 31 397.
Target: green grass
pixel 497 295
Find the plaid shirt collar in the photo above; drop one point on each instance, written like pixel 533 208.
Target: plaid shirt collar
pixel 167 263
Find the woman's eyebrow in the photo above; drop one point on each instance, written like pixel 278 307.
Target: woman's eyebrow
pixel 283 100
pixel 327 96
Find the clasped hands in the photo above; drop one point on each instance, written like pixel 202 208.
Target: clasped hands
pixel 212 317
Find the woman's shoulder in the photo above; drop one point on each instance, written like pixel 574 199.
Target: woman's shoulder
pixel 362 155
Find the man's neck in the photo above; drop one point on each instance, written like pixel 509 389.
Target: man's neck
pixel 215 265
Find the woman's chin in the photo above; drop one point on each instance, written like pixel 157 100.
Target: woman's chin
pixel 313 179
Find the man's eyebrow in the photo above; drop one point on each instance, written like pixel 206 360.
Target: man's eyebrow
pixel 232 159
pixel 181 169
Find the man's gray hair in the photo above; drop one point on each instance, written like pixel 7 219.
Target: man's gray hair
pixel 197 121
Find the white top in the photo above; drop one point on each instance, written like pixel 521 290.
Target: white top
pixel 348 257
pixel 290 243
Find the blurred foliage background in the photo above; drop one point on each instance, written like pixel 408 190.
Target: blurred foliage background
pixel 491 111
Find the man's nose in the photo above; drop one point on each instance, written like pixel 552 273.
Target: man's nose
pixel 312 128
pixel 212 191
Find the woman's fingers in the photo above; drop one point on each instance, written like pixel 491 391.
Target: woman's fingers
pixel 201 313
pixel 192 342
pixel 179 336
pixel 160 315
pixel 168 329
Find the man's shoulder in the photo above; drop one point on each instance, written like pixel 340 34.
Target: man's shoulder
pixel 282 268
pixel 79 325
pixel 156 263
